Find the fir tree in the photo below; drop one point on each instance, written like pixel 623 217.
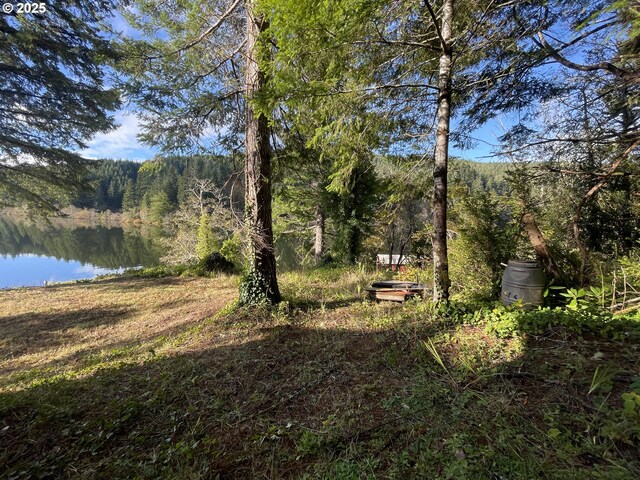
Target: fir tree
pixel 53 98
pixel 201 71
pixel 129 201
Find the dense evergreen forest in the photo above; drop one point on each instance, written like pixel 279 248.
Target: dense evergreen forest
pixel 121 185
pixel 126 186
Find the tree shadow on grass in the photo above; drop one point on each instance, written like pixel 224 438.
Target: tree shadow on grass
pixel 132 283
pixel 233 411
pixel 41 333
pixel 96 317
pixel 280 401
pixel 310 305
pixel 34 331
pixel 121 282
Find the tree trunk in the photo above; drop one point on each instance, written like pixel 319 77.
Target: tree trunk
pixel 404 245
pixel 440 261
pixel 319 229
pixel 392 244
pixel 539 244
pixel 577 217
pixel 582 249
pixel 258 167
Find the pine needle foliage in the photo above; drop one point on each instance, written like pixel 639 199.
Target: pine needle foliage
pixel 53 98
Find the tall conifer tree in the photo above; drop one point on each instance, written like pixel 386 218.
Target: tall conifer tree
pixel 199 84
pixel 53 98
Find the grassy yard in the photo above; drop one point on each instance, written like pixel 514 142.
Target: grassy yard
pixel 165 378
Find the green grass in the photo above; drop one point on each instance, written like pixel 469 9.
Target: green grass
pixel 177 382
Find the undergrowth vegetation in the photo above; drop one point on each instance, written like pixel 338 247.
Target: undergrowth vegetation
pixel 325 385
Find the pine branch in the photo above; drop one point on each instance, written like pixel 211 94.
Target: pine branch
pixel 209 31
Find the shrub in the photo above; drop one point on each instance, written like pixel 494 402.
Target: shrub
pixel 487 238
pixel 206 240
pixel 507 322
pixel 231 248
pixel 215 262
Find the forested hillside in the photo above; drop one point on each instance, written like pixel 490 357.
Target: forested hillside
pixel 123 185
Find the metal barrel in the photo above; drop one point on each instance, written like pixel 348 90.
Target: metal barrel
pixel 523 280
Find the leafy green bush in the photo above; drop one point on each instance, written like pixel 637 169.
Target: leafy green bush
pixel 507 322
pixel 158 271
pixel 487 238
pixel 231 248
pixel 215 262
pixel 207 242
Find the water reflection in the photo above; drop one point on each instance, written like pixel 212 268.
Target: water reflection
pixel 32 253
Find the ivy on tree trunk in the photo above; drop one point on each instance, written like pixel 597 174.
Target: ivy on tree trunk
pixel 319 235
pixel 258 168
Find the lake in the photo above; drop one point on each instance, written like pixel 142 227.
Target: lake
pixel 35 252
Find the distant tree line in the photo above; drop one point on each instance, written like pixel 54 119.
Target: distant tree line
pixel 161 184
pixel 152 188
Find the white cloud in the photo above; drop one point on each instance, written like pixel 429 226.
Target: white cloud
pixel 121 143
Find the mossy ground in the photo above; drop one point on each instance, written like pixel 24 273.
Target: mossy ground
pixel 164 378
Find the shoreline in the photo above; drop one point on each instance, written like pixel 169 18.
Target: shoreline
pixel 83 217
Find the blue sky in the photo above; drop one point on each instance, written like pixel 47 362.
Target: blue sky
pixel 122 143
pixel 486 139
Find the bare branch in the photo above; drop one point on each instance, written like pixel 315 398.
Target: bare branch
pixel 578 172
pixel 631 77
pixel 611 171
pixel 604 140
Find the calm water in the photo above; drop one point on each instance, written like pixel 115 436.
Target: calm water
pixel 31 254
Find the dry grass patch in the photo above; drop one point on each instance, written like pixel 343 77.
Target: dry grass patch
pixel 53 327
